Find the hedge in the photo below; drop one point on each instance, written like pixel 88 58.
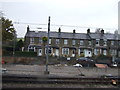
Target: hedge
pixel 103 57
pixel 20 54
pixel 26 54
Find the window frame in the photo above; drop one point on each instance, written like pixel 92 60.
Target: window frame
pixel 65 51
pixel 31 48
pixel 65 41
pixel 32 40
pixel 97 44
pixel 81 42
pixel 40 40
pixel 89 42
pixel 57 41
pixel 73 42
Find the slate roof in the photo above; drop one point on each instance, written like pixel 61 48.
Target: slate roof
pixel 73 35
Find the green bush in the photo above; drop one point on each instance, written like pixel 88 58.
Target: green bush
pixel 20 54
pixel 103 57
pixel 7 53
pixel 26 54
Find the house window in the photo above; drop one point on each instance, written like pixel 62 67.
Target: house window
pixel 112 42
pixel 96 51
pixel 50 50
pixel 81 51
pixel 97 42
pixel 65 41
pixel 105 42
pixel 113 52
pixel 49 41
pixel 81 42
pixel 118 53
pixel 89 43
pixel 40 40
pixel 31 40
pixel 104 52
pixel 57 41
pixel 73 42
pixel 31 49
pixel 65 51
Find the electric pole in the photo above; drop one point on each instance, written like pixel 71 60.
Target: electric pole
pixel 47 55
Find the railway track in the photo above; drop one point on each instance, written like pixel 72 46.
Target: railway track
pixel 58 80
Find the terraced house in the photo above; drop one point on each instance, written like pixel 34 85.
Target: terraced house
pixel 72 44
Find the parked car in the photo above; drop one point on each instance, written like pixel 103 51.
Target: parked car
pixel 113 65
pixel 84 59
pixel 77 65
pixel 3 70
pixel 117 60
pixel 86 62
pixel 116 63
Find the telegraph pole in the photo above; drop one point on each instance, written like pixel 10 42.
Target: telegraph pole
pixel 47 55
pixel 14 45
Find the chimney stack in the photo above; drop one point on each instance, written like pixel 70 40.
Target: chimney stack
pixel 88 31
pixel 102 32
pixel 74 31
pixel 28 29
pixel 59 30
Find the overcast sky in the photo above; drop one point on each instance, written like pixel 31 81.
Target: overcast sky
pixel 78 13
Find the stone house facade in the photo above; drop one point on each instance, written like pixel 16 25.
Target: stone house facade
pixel 73 44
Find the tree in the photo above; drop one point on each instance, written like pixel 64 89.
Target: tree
pixel 20 44
pixel 8 30
pixel 44 39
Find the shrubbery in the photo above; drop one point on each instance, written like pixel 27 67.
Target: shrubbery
pixel 103 57
pixel 26 54
pixel 20 54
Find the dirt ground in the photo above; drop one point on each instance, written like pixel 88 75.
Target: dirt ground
pixel 60 70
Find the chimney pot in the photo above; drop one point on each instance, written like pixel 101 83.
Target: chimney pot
pixel 59 30
pixel 28 29
pixel 74 31
pixel 88 31
pixel 102 31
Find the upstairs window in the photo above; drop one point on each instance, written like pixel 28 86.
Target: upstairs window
pixel 73 42
pixel 81 42
pixel 112 42
pixel 65 41
pixel 105 43
pixel 40 40
pixel 32 40
pixel 89 42
pixel 97 42
pixel 57 41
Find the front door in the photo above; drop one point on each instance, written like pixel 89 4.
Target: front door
pixel 40 52
pixel 57 52
pixel 73 53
